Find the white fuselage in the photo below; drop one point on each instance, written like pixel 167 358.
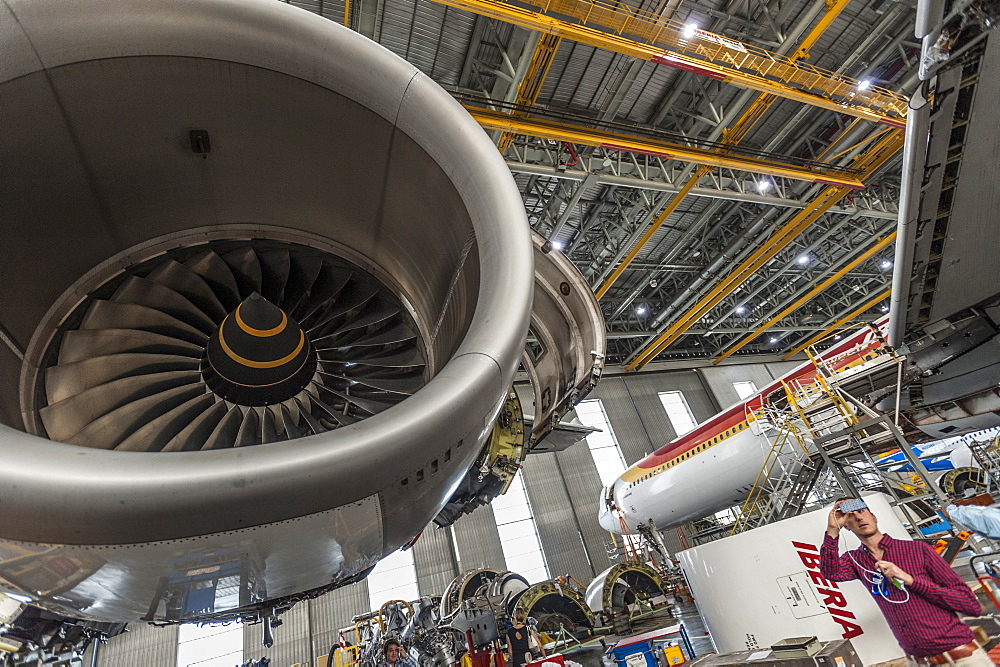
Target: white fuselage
pixel 715 466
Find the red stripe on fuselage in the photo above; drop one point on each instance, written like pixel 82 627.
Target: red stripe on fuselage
pixel 736 414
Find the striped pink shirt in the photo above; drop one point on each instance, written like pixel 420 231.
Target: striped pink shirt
pixel 927 624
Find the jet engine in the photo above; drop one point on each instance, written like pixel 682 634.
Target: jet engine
pixel 266 288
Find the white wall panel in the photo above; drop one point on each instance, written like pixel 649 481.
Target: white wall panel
pixel 142 644
pixel 291 639
pixel 434 558
pixel 562 543
pixel 478 541
pixel 720 380
pixel 330 612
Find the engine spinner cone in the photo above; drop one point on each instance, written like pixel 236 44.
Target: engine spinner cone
pixel 258 355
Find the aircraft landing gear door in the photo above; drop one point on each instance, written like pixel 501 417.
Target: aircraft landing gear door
pixel 800 595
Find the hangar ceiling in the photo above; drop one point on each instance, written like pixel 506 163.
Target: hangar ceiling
pixel 721 197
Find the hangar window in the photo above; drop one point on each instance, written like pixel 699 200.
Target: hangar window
pixel 745 389
pixel 522 550
pixel 603 444
pixel 394 578
pixel 678 411
pixel 210 644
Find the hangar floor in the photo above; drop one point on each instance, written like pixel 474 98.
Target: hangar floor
pixel 681 611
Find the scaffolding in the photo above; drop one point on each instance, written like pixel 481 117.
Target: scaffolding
pixel 987 455
pixel 825 443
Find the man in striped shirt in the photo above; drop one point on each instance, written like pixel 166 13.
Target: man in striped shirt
pixel 918 592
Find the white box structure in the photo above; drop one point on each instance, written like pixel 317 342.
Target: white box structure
pixel 764 585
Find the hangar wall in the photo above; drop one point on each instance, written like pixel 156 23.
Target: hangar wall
pixel 562 487
pixel 141 645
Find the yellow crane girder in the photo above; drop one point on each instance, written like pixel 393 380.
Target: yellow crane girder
pixel 531 86
pixel 578 134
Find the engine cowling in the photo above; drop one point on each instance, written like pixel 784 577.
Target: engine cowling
pixel 194 182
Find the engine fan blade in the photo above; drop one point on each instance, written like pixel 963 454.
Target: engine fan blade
pixel 304 272
pixel 353 296
pixel 306 414
pixel 65 418
pixel 369 405
pixel 109 430
pixel 246 270
pixel 276 266
pixel 373 313
pixel 111 315
pixel 63 381
pixel 289 422
pixel 404 387
pixel 330 286
pixel 249 433
pixel 393 332
pixel 218 275
pixel 407 357
pixel 143 292
pixel 183 280
pixel 225 432
pixel 154 435
pixel 80 344
pixel 268 427
pixel 196 433
pixel 334 416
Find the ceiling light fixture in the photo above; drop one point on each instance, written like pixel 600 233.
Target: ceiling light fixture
pixel 763 186
pixel 689 30
pixel 641 310
pixel 864 84
pixel 804 259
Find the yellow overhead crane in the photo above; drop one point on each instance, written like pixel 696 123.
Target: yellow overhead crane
pixel 732 136
pixel 633 32
pixel 710 55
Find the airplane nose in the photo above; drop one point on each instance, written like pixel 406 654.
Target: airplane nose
pixel 607 520
pixel 605 514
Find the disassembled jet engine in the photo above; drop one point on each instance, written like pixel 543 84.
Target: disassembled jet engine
pixel 478 605
pixel 613 592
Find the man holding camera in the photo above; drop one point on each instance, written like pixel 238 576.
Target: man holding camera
pixel 918 593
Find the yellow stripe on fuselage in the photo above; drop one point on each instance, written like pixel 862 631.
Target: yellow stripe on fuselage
pixel 636 474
